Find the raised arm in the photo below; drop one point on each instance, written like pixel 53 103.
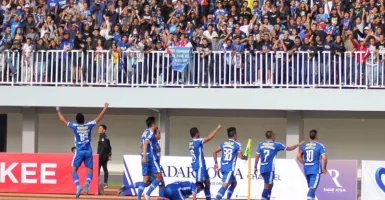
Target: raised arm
pixel 291 148
pixel 61 117
pixel 212 134
pixel 101 114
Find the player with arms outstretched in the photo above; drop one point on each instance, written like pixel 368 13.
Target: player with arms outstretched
pixel 310 155
pixel 267 151
pixel 231 150
pixel 198 162
pixel 183 190
pixel 150 165
pixel 82 132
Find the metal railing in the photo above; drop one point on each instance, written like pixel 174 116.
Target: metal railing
pixel 219 69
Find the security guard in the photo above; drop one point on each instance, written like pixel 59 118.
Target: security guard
pixel 104 151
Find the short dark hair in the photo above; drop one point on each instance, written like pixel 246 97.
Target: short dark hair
pixel 80 118
pixel 150 121
pixel 269 134
pixel 194 131
pixel 231 132
pixel 104 126
pixel 73 148
pixel 313 134
pixel 199 185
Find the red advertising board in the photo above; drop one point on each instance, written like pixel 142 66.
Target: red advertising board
pixel 42 173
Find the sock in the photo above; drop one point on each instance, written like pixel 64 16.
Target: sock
pixel 75 177
pixel 265 194
pixel 134 186
pixel 220 194
pixel 207 193
pixel 141 187
pixel 269 193
pixel 161 192
pixel 311 194
pixel 89 178
pixel 154 184
pixel 230 191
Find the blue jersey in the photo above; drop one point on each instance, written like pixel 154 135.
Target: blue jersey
pixel 157 152
pixel 185 188
pixel 312 155
pixel 196 150
pixel 61 3
pixel 268 151
pixel 152 142
pixel 52 4
pixel 230 151
pixel 82 134
pixel 123 46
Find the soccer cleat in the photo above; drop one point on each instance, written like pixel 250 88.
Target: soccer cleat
pixel 86 188
pixel 147 197
pixel 78 190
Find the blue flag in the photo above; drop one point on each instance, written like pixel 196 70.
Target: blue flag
pixel 181 57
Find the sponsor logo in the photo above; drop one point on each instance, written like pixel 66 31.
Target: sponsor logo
pixel 31 173
pixel 380 171
pixel 338 188
pixel 188 172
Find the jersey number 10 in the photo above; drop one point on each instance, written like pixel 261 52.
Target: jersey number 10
pixel 309 155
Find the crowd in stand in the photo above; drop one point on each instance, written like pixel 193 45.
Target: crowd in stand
pixel 246 33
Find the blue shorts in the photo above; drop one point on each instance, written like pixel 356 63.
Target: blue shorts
pixel 172 192
pixel 227 176
pixel 83 156
pixel 201 174
pixel 268 177
pixel 150 168
pixel 313 180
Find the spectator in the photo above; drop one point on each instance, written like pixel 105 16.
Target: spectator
pixel 321 26
pixel 73 150
pixel 104 152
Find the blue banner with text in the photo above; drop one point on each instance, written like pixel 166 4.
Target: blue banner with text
pixel 181 57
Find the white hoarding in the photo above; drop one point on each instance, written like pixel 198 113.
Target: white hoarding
pixel 373 180
pixel 289 181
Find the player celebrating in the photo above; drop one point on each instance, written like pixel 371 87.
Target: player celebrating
pixel 82 132
pixel 183 190
pixel 231 149
pixel 267 151
pixel 149 164
pixel 310 155
pixel 198 162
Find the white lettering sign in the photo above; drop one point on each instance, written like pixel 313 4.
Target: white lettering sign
pixel 28 171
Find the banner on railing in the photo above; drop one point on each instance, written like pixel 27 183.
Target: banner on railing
pixel 289 181
pixel 372 183
pixel 42 173
pixel 181 57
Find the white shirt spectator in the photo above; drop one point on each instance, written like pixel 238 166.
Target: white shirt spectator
pixel 27 49
pixel 209 35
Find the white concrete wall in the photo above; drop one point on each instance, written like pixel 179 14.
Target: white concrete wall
pixel 343 138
